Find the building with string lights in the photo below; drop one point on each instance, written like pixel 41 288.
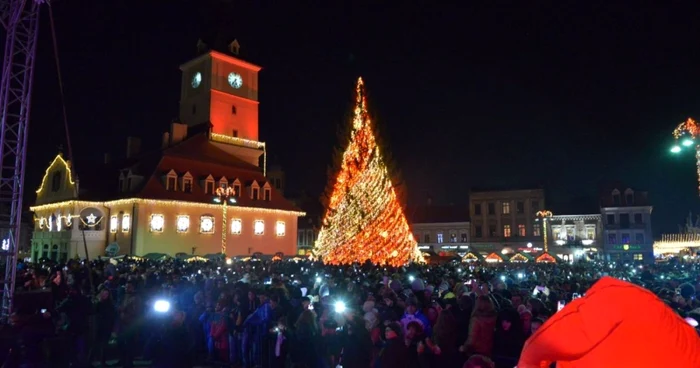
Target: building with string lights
pixel 205 191
pixel 626 219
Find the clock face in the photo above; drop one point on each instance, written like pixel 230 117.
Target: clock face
pixel 235 80
pixel 196 79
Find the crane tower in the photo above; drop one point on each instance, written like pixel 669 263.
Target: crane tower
pixel 20 21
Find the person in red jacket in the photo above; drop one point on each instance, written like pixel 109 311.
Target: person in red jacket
pixel 616 324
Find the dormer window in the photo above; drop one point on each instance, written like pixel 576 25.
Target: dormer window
pixel 187 183
pixel 268 195
pixel 223 182
pixel 629 197
pixel 256 194
pixel 209 185
pixel 171 181
pixel 616 197
pixel 255 191
pixel 237 188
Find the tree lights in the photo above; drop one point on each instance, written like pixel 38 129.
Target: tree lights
pixel 544 214
pixel 364 220
pixel 685 135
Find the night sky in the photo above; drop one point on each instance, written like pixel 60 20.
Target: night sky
pixel 567 95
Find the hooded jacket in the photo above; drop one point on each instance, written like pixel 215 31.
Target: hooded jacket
pixel 616 324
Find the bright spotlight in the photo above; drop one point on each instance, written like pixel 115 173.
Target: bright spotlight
pixel 411 278
pixel 318 280
pixel 688 142
pixel 161 306
pixel 503 278
pixel 520 275
pixel 675 149
pixel 339 307
pixel 229 261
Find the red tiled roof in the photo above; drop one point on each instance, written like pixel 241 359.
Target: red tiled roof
pixel 201 158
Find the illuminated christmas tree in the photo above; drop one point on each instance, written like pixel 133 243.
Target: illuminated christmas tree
pixel 364 220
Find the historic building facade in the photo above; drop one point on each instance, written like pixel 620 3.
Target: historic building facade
pixel 440 228
pixel 575 237
pixel 626 216
pixel 204 192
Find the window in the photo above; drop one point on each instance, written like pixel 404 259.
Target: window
pixel 171 184
pixel 187 185
pixel 536 230
pixel 611 219
pixel 267 192
pixel 629 199
pixel 280 228
pixel 506 231
pixel 206 224
pixel 492 231
pixel 426 238
pixel 223 182
pixel 535 206
pixel 235 133
pixel 478 232
pixel 506 208
pixel 521 229
pixel 259 227
pixel 625 238
pixel 639 238
pixel 464 237
pixel 233 109
pixel 590 233
pixel 113 224
pixel 237 226
pixel 255 193
pixel 492 208
pixel 209 187
pixel 556 232
pixel 453 238
pixel 616 199
pixel 638 257
pixel 477 209
pixel 56 182
pixel 624 220
pixel 183 223
pixel 520 207
pixel 612 238
pixel 439 238
pixel 237 189
pixel 126 223
pixel 301 239
pixel 638 218
pixel 157 222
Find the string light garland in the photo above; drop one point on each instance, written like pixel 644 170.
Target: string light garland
pixel 222 138
pixel 544 214
pixel 364 220
pixel 58 158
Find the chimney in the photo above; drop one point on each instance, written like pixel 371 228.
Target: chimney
pixel 178 132
pixel 107 158
pixel 166 140
pixel 133 146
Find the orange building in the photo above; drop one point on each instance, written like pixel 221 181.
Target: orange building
pixel 204 192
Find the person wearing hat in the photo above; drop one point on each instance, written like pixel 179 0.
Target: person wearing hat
pixel 412 314
pixel 394 353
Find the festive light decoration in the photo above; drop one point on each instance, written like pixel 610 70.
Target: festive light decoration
pixel 280 228
pixel 59 159
pixel 236 226
pixel 545 258
pixel 51 222
pixel 493 258
pixel 259 227
pixel 157 223
pixel 126 223
pixel 222 138
pixel 686 134
pixel 206 225
pixel 156 203
pixel 183 223
pixel 113 224
pixel 224 195
pixel 519 258
pixel 544 214
pixel 364 220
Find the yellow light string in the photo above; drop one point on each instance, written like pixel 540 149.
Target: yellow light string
pixel 364 220
pixel 60 160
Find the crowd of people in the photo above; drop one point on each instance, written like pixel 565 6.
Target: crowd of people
pixel 297 313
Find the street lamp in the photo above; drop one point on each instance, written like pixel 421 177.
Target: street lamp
pixel 544 214
pixel 224 196
pixel 685 135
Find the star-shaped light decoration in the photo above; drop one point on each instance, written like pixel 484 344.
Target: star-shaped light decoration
pixel 91 218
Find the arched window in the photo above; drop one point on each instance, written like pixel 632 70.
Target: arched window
pixel 56 182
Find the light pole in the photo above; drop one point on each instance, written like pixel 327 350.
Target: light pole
pixel 224 196
pixel 685 135
pixel 544 214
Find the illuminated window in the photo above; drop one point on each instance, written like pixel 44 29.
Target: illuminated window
pixel 638 257
pixel 506 208
pixel 439 238
pixel 259 227
pixel 280 228
pixel 206 224
pixel 590 233
pixel 453 238
pixel 506 231
pixel 236 226
pixel 113 224
pixel 126 223
pixel 625 238
pixel 536 230
pixel 183 223
pixel 521 230
pixel 157 222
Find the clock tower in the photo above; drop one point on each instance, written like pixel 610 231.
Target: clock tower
pixel 221 89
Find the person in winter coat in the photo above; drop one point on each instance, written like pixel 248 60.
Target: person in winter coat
pixel 508 339
pixel 610 327
pixel 481 328
pixel 394 353
pixel 414 314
